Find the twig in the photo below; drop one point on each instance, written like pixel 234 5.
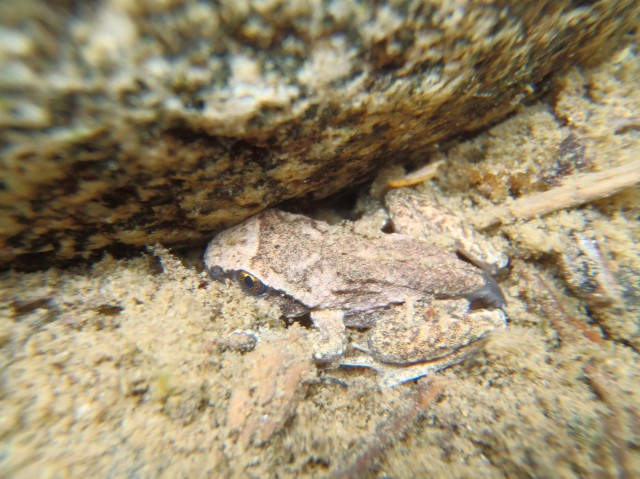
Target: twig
pixel 391 431
pixel 614 423
pixel 565 324
pixel 576 191
pixel 419 176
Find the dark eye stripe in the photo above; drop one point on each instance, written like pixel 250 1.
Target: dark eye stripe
pixel 250 284
pixel 216 273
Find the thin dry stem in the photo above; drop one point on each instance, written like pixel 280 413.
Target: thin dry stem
pixel 419 176
pixel 565 324
pixel 613 423
pixel 391 431
pixel 574 192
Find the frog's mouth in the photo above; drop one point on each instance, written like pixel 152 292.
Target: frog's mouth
pixel 488 296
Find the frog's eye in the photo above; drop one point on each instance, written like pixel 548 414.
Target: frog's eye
pixel 250 284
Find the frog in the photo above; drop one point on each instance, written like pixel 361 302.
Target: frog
pixel 424 307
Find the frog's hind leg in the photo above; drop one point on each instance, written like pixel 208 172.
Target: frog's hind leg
pixel 416 343
pixel 431 332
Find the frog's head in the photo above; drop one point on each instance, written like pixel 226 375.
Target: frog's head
pixel 237 254
pixel 230 254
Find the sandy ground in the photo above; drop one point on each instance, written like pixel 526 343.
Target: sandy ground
pixel 145 368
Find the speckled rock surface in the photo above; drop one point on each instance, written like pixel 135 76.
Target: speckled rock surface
pixel 126 123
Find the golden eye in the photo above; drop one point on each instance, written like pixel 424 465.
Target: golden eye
pixel 250 284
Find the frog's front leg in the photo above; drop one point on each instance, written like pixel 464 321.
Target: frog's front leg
pixel 410 345
pixel 331 340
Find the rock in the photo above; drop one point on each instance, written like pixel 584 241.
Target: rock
pixel 129 123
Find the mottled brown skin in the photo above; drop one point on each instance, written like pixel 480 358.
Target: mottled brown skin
pixel 330 267
pixel 418 215
pixel 345 279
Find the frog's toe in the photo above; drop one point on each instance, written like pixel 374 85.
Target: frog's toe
pixel 392 375
pixel 331 340
pixel 488 296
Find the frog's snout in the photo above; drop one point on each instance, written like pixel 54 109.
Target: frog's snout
pixel 488 296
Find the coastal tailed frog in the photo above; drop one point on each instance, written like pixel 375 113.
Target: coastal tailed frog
pixel 423 306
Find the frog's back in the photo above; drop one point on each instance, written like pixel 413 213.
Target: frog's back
pixel 329 267
pixel 375 272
